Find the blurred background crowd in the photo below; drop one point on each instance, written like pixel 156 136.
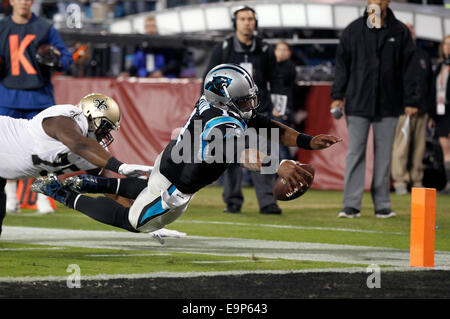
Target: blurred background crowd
pixel 314 56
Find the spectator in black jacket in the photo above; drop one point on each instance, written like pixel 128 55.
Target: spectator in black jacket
pixel 282 89
pixel 256 56
pixel 372 75
pixel 410 135
pixel 440 105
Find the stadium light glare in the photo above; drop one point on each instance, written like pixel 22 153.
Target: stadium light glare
pixel 121 27
pixel 344 15
pixel 428 27
pixel 404 16
pixel 218 18
pixel 139 24
pixel 193 20
pixel 319 15
pixel 293 15
pixel 447 26
pixel 362 10
pixel 268 15
pixel 168 23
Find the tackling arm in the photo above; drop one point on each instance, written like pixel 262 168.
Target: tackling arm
pixel 65 130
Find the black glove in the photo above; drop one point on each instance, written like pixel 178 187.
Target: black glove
pixel 48 55
pixel 2 66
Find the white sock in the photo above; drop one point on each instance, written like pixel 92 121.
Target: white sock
pixel 11 191
pixel 43 203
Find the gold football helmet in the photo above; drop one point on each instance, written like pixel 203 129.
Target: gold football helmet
pixel 103 115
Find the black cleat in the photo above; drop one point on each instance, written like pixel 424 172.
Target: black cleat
pixel 51 187
pixel 271 209
pixel 232 208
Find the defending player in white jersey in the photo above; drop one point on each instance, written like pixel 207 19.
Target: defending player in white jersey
pixel 61 139
pixel 225 111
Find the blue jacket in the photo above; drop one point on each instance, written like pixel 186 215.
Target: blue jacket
pixel 167 61
pixel 36 98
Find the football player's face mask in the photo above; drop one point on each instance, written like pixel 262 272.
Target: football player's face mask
pixel 101 130
pixel 246 105
pixel 103 115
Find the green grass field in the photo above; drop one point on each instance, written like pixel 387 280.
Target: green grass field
pixel 309 219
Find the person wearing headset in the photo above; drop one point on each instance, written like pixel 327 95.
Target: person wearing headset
pixel 245 48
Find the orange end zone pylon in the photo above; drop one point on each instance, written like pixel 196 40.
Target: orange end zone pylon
pixel 423 208
pixel 27 198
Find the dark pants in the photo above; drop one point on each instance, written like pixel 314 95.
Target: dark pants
pixel 355 167
pixel 232 191
pixel 2 202
pixel 104 209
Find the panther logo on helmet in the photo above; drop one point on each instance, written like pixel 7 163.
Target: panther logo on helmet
pixel 217 83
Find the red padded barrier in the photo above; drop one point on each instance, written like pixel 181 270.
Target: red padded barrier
pixel 153 108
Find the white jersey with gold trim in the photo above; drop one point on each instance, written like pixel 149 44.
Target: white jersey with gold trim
pixel 27 151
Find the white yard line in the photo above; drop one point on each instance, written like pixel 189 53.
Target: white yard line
pixel 289 227
pixel 231 261
pixel 216 246
pixel 126 255
pixel 31 248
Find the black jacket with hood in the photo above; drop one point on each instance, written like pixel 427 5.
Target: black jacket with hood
pixel 374 72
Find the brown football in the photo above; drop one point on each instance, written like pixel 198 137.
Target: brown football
pixel 45 49
pixel 281 189
pixel 47 55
